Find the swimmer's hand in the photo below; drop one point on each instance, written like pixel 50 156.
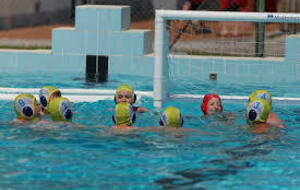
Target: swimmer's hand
pixel 143 110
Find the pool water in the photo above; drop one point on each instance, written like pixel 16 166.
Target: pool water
pixel 206 154
pixel 178 85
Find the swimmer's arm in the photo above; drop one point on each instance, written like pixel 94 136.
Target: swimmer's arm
pixel 142 110
pixel 42 121
pixel 124 127
pixel 18 120
pixel 275 121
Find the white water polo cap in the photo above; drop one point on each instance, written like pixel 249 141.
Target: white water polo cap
pixel 61 109
pixel 24 106
pixel 258 111
pixel 45 94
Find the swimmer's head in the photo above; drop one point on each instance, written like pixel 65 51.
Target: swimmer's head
pixel 211 104
pixel 261 94
pixel 26 107
pixel 61 109
pixel 47 94
pixel 124 114
pixel 171 117
pixel 258 111
pixel 125 93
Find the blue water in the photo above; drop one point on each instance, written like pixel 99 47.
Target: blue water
pixel 206 154
pixel 177 85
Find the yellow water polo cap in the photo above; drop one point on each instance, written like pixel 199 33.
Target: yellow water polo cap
pixel 61 109
pixel 261 94
pixel 24 106
pixel 45 94
pixel 124 114
pixel 171 117
pixel 129 89
pixel 258 110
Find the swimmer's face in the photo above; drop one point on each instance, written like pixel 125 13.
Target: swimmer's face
pixel 213 106
pixel 124 96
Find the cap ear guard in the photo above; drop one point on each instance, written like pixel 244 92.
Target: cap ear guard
pixel 27 111
pixel 113 117
pixel 133 118
pixel 44 94
pixel 181 121
pixel 43 101
pixel 66 110
pixel 68 114
pixel 252 115
pixel 163 120
pixel 132 114
pixel 115 99
pixel 258 111
pixel 134 98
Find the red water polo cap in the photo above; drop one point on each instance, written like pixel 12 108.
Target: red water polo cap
pixel 206 99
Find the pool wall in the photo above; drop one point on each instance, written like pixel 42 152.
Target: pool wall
pixel 105 30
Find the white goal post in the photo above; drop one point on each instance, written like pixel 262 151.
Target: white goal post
pixel 161 51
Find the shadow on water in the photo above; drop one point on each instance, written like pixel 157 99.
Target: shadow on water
pixel 219 168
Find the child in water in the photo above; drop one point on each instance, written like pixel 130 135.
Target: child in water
pixel 211 104
pixel 258 111
pixel 61 109
pixel 47 94
pixel 125 93
pixel 124 116
pixel 171 117
pixel 273 119
pixel 26 108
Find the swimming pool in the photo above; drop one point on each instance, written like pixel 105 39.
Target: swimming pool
pixel 88 155
pixel 207 154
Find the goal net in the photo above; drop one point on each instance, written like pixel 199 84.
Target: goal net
pixel 196 47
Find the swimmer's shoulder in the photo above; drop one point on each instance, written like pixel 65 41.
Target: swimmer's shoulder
pixel 124 127
pixel 20 120
pixel 274 120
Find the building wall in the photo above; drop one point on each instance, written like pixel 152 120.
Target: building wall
pixel 15 13
pixel 104 30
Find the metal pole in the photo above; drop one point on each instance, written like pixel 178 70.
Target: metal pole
pixel 161 67
pixel 72 10
pixel 260 30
